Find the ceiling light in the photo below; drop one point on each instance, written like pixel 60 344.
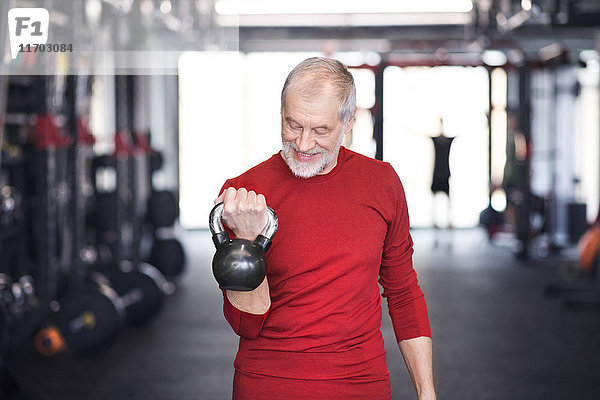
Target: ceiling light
pixel 166 6
pixel 494 58
pixel 93 10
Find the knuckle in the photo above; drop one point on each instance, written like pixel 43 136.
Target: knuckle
pixel 260 210
pixel 228 208
pixel 241 197
pixel 243 203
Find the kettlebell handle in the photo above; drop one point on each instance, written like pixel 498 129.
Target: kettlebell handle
pixel 220 236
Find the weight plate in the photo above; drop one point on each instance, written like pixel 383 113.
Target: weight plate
pixel 48 341
pixel 162 208
pixel 104 161
pixel 140 292
pixel 168 256
pixel 88 317
pixel 5 330
pixel 105 214
pixel 156 161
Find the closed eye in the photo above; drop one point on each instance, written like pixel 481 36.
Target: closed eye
pixel 293 124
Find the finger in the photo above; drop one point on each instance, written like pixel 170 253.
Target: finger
pixel 241 199
pixel 230 194
pixel 241 195
pixel 261 203
pixel 261 200
pixel 229 200
pixel 251 197
pixel 254 204
pixel 220 198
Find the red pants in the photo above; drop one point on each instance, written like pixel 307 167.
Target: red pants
pixel 258 387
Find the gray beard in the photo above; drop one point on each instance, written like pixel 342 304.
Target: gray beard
pixel 313 168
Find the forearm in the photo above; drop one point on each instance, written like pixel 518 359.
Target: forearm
pixel 257 301
pixel 417 355
pixel 246 312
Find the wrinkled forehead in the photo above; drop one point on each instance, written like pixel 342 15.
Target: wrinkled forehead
pixel 311 86
pixel 319 99
pixel 317 92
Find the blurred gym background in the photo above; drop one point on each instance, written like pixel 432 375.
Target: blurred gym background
pixel 118 132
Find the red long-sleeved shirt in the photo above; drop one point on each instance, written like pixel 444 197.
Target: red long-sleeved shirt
pixel 338 235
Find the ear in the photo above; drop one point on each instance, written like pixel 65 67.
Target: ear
pixel 350 123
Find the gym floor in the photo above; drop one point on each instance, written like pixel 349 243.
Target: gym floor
pixel 496 336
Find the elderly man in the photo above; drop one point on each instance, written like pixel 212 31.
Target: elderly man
pixel 311 330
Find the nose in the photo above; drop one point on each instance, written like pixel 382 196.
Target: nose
pixel 305 141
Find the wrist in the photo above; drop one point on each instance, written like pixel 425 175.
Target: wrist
pixel 248 303
pixel 257 301
pixel 426 394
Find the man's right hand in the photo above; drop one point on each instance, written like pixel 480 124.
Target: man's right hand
pixel 245 213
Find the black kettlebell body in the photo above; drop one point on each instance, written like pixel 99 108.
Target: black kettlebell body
pixel 239 264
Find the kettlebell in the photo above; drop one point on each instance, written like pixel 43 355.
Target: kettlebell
pixel 239 264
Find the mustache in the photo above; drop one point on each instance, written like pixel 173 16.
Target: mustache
pixel 316 150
